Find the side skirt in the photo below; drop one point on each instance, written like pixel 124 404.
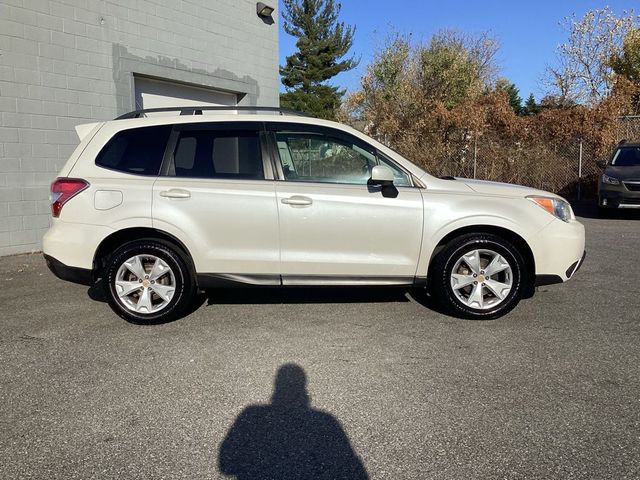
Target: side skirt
pixel 337 281
pixel 233 280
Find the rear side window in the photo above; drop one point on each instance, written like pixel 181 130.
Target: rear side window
pixel 218 154
pixel 138 150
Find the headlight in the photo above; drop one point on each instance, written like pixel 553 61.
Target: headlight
pixel 555 206
pixel 610 180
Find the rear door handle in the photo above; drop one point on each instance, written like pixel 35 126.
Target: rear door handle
pixel 175 193
pixel 297 201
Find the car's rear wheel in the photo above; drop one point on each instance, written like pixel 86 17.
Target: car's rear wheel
pixel 148 282
pixel 478 276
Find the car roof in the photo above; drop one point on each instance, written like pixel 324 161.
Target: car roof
pixel 214 117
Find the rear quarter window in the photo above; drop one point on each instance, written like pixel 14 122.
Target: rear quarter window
pixel 138 151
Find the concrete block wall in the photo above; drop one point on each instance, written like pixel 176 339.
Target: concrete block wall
pixel 67 62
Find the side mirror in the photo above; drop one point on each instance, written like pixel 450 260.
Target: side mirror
pixel 381 175
pixel 602 164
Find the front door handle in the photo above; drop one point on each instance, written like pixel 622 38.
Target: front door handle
pixel 175 193
pixel 297 201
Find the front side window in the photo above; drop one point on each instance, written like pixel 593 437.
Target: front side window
pixel 311 157
pixel 308 157
pixel 400 178
pixel 218 154
pixel 137 150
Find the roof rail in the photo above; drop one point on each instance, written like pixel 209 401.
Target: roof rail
pixel 197 110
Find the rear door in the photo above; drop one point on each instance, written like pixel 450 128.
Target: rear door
pixel 334 227
pixel 217 195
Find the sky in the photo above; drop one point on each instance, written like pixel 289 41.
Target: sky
pixel 528 31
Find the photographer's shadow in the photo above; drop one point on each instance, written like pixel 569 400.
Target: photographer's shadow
pixel 288 439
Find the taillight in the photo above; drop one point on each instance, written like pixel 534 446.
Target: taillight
pixel 63 190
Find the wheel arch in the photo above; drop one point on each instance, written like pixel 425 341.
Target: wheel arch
pixel 110 243
pixel 514 238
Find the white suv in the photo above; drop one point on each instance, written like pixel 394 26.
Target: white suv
pixel 159 207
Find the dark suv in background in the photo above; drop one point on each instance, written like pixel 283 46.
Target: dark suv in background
pixel 619 185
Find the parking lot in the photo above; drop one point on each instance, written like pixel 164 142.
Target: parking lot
pixel 550 391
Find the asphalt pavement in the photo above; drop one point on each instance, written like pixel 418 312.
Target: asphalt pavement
pixel 342 383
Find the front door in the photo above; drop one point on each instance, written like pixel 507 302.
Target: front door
pixel 334 227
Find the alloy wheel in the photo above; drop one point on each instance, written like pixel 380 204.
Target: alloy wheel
pixel 145 284
pixel 481 279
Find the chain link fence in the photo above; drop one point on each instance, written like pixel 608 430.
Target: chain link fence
pixel 567 168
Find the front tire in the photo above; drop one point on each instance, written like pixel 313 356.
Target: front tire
pixel 478 276
pixel 605 212
pixel 147 282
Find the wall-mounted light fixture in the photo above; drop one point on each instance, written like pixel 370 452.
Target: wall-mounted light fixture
pixel 264 10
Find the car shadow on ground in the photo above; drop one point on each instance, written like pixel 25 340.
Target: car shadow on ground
pixel 298 295
pixel 311 295
pixel 294 295
pixel 287 438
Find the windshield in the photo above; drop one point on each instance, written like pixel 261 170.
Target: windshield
pixel 627 157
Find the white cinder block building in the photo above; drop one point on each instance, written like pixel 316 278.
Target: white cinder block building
pixel 67 62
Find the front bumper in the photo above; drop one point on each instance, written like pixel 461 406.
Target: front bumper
pixel 82 276
pixel 558 251
pixel 550 279
pixel 618 196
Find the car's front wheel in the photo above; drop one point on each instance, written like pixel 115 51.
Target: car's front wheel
pixel 478 276
pixel 147 281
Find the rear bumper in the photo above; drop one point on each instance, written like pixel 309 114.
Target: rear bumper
pixel 74 244
pixel 82 276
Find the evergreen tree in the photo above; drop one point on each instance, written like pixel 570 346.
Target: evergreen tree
pixel 512 93
pixel 530 106
pixel 323 43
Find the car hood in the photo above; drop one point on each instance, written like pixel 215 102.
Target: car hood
pixel 623 173
pixel 503 189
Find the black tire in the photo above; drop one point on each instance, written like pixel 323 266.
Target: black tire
pixel 184 281
pixel 605 212
pixel 441 270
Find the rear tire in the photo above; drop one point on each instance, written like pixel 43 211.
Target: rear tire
pixel 148 282
pixel 478 276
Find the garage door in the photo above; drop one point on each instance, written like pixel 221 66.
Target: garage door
pixel 159 93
